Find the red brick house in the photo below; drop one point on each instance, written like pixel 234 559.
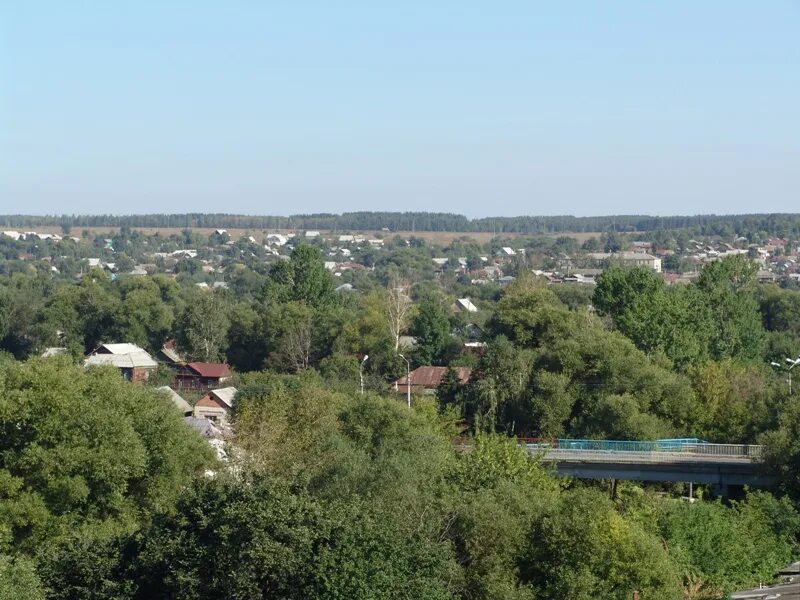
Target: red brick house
pixel 201 375
pixel 216 405
pixel 425 380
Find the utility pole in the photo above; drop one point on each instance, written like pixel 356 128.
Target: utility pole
pixel 408 380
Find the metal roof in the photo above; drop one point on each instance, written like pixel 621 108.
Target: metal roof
pixel 176 398
pixel 124 348
pixel 225 395
pixel 466 304
pixel 205 427
pixel 204 369
pixel 140 360
pixel 431 377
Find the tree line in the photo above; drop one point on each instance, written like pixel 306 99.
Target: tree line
pixel 721 225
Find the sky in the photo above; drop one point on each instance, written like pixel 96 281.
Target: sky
pixel 478 108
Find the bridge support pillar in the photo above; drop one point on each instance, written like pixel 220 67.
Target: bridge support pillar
pixel 728 491
pixel 722 490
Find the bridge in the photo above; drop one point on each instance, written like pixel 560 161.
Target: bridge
pixel 690 460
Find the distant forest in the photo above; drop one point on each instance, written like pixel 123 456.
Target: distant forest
pixel 723 225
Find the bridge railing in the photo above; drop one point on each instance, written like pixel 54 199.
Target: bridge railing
pixel 669 446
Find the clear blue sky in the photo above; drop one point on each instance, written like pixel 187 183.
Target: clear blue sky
pixel 481 108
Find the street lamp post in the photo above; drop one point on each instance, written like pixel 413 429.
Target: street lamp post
pixel 361 372
pixel 408 380
pixel 792 364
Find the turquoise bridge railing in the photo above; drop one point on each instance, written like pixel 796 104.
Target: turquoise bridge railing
pixel 671 445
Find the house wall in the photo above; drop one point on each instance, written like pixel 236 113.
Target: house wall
pixel 211 409
pixel 195 382
pixel 139 374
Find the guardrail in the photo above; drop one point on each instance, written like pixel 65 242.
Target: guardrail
pixel 692 446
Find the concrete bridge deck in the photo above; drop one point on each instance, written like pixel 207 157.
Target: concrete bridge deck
pixel 719 465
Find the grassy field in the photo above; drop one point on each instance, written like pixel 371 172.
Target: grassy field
pixel 436 237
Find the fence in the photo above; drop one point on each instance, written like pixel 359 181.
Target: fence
pixel 693 446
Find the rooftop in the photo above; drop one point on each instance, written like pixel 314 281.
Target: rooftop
pixel 176 398
pixel 132 360
pixel 204 369
pixel 432 376
pixel 225 395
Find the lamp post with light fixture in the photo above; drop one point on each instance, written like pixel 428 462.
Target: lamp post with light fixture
pixel 361 372
pixel 792 364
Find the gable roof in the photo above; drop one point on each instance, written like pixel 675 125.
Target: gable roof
pixel 431 377
pixel 213 370
pixel 176 398
pixel 124 348
pixel 133 360
pixel 225 395
pixel 466 305
pixel 171 354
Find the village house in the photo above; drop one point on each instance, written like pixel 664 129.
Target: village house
pixel 201 375
pixel 216 405
pixel 276 239
pixel 639 259
pixel 134 362
pixel 425 380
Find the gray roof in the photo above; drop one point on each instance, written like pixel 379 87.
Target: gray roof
pixel 782 591
pixel 225 395
pixel 205 427
pixel 176 398
pixel 466 304
pixel 172 354
pixel 123 348
pixel 138 360
pixel 636 256
pixel 792 569
pixel 53 351
pixel 407 342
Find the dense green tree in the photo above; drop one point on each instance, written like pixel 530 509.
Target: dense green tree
pixel 143 318
pixel 311 282
pixel 734 401
pixel 81 446
pixel 249 343
pixel 729 288
pixel 719 549
pixel 22 306
pixel 18 579
pixel 202 329
pixel 431 326
pixel 620 289
pixel 608 557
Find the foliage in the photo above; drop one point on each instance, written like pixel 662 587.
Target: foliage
pixel 431 326
pixel 18 579
pixel 203 327
pixel 83 446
